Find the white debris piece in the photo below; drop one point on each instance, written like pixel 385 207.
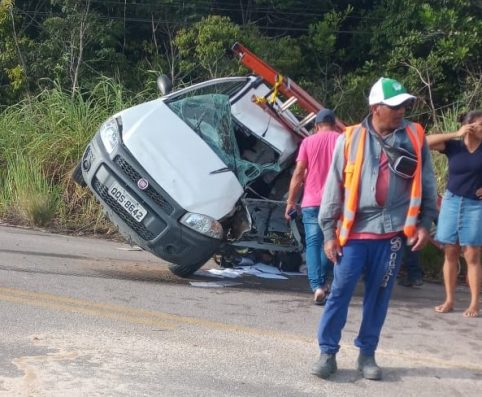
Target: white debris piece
pixel 213 284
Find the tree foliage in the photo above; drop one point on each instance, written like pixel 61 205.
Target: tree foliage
pixel 203 46
pixel 335 49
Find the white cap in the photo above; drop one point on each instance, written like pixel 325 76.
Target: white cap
pixel 388 92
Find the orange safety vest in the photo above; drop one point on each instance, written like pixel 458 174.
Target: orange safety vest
pixel 355 138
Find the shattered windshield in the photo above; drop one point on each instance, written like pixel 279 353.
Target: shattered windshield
pixel 210 117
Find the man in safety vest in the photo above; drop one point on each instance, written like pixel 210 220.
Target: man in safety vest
pixel 380 194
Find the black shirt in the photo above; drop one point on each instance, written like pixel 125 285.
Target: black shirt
pixel 465 169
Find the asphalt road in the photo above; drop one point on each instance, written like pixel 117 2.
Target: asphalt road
pixel 89 317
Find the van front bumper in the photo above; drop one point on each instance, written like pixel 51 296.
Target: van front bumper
pixel 160 232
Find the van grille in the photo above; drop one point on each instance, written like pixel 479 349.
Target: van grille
pixel 138 227
pixel 134 176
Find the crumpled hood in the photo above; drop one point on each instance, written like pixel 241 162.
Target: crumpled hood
pixel 179 160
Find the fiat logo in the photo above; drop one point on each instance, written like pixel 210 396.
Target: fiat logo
pixel 142 184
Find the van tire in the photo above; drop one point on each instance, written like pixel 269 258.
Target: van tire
pixel 184 270
pixel 77 175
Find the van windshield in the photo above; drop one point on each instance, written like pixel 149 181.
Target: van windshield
pixel 210 117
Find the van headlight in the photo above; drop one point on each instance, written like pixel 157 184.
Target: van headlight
pixel 203 224
pixel 110 134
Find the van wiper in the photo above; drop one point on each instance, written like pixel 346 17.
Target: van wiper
pixel 221 170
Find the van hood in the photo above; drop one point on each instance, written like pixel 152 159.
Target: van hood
pixel 178 160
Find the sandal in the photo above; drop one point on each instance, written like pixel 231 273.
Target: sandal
pixel 319 297
pixel 321 294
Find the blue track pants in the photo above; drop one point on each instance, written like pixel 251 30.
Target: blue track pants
pixel 378 261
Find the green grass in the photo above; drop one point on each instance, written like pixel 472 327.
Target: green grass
pixel 27 193
pixel 41 141
pixel 446 123
pixel 432 260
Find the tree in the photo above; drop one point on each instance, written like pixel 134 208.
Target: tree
pixel 323 53
pixel 76 46
pixel 203 47
pixel 13 49
pixel 432 46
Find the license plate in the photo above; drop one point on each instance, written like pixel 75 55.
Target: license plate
pixel 127 202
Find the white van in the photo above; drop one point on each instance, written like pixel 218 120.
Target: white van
pixel 199 172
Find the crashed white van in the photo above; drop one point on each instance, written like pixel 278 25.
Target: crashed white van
pixel 197 172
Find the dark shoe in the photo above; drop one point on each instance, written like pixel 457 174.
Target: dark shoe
pixel 325 366
pixel 405 282
pixel 417 283
pixel 369 368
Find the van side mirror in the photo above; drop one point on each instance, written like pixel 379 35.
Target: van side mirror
pixel 164 84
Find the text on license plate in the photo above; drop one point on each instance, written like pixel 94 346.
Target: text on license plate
pixel 126 201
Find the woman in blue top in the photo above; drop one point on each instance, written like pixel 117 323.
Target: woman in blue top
pixel 460 221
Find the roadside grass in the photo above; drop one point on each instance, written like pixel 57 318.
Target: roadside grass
pixel 41 141
pixel 446 123
pixel 432 260
pixel 27 193
pixel 431 257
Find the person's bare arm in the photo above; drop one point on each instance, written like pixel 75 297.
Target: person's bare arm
pixel 296 184
pixel 437 141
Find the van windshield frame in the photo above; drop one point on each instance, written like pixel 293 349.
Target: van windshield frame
pixel 229 86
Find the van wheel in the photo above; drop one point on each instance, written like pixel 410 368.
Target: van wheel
pixel 77 175
pixel 184 270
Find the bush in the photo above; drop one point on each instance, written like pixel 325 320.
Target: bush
pixel 432 260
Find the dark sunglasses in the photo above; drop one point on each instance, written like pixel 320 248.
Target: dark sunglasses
pixel 406 105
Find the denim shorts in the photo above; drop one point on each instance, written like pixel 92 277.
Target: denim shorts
pixel 459 221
